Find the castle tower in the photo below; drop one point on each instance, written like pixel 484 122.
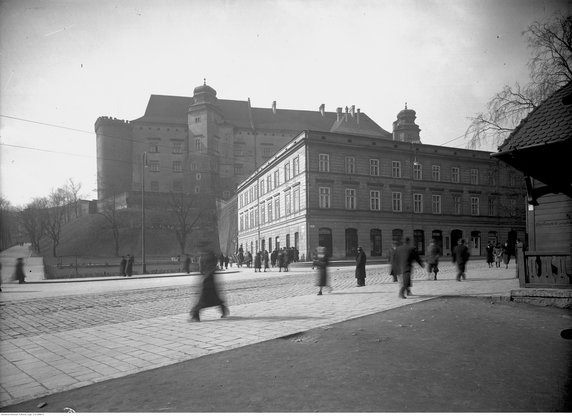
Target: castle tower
pixel 114 156
pixel 404 128
pixel 203 117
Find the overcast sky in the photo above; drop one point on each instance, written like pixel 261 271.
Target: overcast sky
pixel 65 63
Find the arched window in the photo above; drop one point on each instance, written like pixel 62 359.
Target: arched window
pixel 397 236
pixel 351 242
pixel 375 241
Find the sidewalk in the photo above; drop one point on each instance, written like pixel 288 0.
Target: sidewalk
pixel 40 365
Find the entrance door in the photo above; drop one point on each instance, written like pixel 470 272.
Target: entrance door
pixel 475 243
pixel 456 235
pixel 375 242
pixel 351 242
pixel 325 239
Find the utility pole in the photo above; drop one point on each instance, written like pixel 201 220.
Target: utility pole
pixel 143 166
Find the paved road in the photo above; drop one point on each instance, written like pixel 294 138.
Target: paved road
pixel 60 336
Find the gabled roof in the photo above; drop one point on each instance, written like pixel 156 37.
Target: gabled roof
pixel 173 109
pixel 549 123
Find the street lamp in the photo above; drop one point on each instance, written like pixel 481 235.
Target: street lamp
pixel 143 166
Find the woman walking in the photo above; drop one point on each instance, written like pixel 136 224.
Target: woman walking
pixel 322 266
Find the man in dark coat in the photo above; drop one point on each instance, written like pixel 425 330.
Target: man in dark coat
pixel 129 268
pixel 187 265
pixel 360 267
pixel 321 263
pixel 460 258
pixel 19 272
pixel 209 291
pixel 405 255
pixel 490 254
pixel 122 266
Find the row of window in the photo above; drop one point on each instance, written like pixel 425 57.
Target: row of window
pixel 176 146
pixel 176 167
pixel 290 170
pixel 396 169
pixel 350 202
pixel 270 209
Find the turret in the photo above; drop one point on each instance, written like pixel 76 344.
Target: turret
pixel 114 152
pixel 404 128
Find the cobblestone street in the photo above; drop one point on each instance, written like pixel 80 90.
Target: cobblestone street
pixel 56 343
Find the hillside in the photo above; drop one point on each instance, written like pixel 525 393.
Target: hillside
pixel 91 236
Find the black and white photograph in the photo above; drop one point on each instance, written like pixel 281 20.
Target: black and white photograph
pixel 285 206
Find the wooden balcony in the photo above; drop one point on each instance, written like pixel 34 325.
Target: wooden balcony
pixel 543 269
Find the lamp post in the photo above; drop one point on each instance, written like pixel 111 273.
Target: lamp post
pixel 143 166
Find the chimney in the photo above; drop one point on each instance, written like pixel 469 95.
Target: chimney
pixel 353 110
pixel 322 109
pixel 274 107
pixel 339 112
pixel 358 113
pixel 347 110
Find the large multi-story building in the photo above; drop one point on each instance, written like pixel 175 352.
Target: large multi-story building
pixel 342 190
pixel 385 184
pixel 204 145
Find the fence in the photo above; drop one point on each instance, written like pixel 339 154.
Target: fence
pixel 72 267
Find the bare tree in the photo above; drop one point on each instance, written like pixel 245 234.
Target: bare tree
pixel 55 217
pixel 186 213
pixel 72 191
pixel 33 220
pixel 550 68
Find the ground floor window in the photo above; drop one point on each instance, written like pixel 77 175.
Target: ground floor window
pixel 419 241
pixel 351 242
pixel 375 242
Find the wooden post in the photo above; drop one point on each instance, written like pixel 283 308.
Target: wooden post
pixel 521 272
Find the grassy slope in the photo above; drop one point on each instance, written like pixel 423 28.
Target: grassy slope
pixel 90 236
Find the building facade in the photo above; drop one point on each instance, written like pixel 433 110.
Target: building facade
pixel 203 145
pixel 344 190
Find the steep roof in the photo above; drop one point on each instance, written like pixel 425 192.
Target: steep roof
pixel 549 123
pixel 173 109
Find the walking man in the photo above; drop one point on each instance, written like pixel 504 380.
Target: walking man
pixel 433 259
pixel 405 256
pixel 209 291
pixel 360 267
pixel 122 266
pixel 460 258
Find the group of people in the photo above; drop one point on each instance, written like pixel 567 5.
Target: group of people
pixel 126 265
pixel 497 253
pixel 280 258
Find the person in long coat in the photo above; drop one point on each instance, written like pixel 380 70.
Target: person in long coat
pixel 498 254
pixel 129 268
pixel 187 265
pixel 258 262
pixel 321 263
pixel 405 255
pixel 122 266
pixel 360 266
pixel 490 254
pixel 266 259
pixel 506 254
pixel 209 295
pixel 393 266
pixel 433 259
pixel 19 272
pixel 460 258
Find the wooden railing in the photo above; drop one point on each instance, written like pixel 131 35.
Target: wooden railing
pixel 543 269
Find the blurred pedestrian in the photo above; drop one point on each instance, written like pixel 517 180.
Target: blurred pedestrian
pixel 497 252
pixel 360 266
pixel 19 272
pixel 129 268
pixel 122 266
pixel 221 261
pixel 0 277
pixel 322 266
pixel 393 266
pixel 258 262
pixel 434 252
pixel 274 257
pixel 209 295
pixel 490 254
pixel 187 265
pixel 506 254
pixel 226 260
pixel 460 258
pixel 405 255
pixel 280 260
pixel 266 260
